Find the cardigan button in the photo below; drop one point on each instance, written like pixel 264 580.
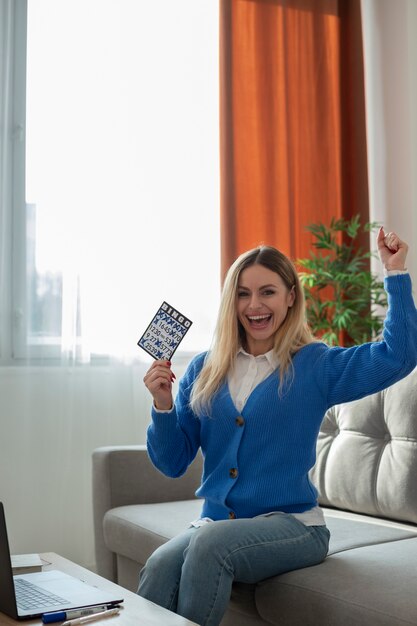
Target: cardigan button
pixel 232 515
pixel 233 472
pixel 239 421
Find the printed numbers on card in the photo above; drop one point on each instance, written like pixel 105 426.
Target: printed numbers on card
pixel 165 332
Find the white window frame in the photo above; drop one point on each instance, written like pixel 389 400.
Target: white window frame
pixel 15 346
pixel 13 301
pixel 19 201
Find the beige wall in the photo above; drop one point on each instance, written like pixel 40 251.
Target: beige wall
pixel 390 49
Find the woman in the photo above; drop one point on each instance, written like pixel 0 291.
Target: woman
pixel 254 404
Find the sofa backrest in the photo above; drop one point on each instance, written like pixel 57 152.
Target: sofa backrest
pixel 367 454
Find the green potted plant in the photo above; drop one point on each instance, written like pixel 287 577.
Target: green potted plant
pixel 344 298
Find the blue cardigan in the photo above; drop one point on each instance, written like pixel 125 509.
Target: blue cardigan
pixel 258 461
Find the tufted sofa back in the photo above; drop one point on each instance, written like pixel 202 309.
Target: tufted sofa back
pixel 367 454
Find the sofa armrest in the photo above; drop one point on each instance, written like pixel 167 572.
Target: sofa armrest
pixel 124 475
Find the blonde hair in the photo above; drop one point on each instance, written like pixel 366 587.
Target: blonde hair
pixel 229 335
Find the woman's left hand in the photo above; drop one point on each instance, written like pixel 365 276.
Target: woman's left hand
pixel 392 250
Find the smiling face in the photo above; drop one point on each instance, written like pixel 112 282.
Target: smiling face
pixel 263 301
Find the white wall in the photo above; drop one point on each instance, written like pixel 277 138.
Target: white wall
pixel 390 50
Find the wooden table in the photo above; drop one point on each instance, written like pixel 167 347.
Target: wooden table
pixel 134 611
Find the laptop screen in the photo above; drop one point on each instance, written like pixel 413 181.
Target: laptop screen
pixel 7 595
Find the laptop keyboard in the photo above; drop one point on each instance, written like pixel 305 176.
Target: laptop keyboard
pixel 29 596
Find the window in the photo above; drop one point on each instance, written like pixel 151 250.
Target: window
pixel 120 200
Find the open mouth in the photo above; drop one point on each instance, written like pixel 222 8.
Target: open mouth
pixel 259 321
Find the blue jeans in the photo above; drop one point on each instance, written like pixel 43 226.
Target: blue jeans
pixel 192 574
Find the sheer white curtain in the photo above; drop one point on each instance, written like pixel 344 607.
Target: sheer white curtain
pixel 122 169
pixel 390 52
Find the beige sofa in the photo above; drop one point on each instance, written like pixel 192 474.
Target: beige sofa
pixel 366 473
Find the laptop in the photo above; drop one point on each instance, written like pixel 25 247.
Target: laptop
pixel 56 590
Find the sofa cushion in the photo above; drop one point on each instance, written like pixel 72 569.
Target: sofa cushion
pixel 135 531
pixel 351 530
pixel 367 454
pixel 369 586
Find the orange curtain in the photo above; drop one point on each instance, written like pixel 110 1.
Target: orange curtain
pixel 292 118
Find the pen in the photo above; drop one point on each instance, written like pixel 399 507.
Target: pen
pixel 59 616
pixel 90 618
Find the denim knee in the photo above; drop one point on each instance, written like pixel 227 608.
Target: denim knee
pixel 206 538
pixel 206 544
pixel 152 565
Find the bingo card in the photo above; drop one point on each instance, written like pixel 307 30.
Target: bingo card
pixel 165 332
